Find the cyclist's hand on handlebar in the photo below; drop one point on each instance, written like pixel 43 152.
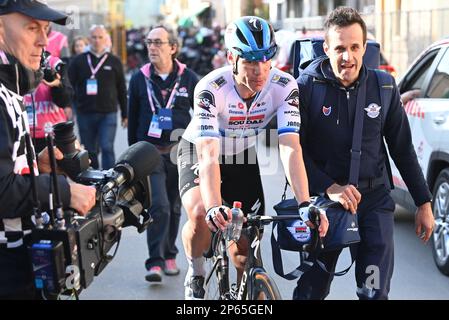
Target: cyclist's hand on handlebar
pixel 305 209
pixel 347 195
pixel 218 217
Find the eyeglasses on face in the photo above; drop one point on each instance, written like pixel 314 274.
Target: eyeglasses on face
pixel 157 42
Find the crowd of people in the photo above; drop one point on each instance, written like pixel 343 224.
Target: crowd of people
pixel 163 93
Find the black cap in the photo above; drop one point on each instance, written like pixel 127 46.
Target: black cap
pixel 36 9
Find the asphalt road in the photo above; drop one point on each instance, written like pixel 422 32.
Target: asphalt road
pixel 415 275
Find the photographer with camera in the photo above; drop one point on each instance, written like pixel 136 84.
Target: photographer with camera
pixel 50 103
pixel 23 36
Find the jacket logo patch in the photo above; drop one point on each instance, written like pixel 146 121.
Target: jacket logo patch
pixel 293 98
pixel 327 111
pixel 282 81
pixel 182 92
pixel 218 83
pixel 206 100
pixel 373 110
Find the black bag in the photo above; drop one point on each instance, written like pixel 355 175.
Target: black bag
pixel 295 235
pixel 343 225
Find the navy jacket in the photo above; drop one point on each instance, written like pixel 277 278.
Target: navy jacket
pixel 326 133
pixel 139 109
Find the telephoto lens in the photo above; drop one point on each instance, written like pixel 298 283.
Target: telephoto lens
pixel 65 138
pixel 74 161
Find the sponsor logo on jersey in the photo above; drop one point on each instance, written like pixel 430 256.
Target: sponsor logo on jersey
pixel 235 121
pixel 373 110
pixel 204 127
pixel 258 110
pixel 292 112
pixel 293 124
pixel 206 100
pixel 218 83
pixel 282 81
pixel 205 115
pixel 240 105
pixel 327 111
pixel 236 112
pixel 293 98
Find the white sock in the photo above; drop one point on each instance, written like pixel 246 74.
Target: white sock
pixel 196 265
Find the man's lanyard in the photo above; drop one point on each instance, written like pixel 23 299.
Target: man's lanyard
pixel 94 71
pixel 152 96
pixel 3 57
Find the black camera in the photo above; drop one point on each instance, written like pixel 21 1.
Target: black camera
pixel 74 161
pixel 66 256
pixel 51 67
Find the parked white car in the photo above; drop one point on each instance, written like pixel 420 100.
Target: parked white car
pixel 428 114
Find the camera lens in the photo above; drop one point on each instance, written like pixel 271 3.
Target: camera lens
pixel 65 138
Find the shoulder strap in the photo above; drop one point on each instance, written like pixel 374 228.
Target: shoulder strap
pixel 384 81
pixel 385 91
pixel 356 149
pixel 318 92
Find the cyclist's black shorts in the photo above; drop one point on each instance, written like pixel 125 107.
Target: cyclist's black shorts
pixel 240 177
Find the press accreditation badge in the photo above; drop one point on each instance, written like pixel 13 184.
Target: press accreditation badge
pixel 154 130
pixel 165 119
pixel 92 87
pixel 32 121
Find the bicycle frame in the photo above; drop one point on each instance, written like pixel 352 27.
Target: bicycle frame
pixel 254 263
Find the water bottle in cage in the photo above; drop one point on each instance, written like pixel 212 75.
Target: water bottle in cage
pixel 235 227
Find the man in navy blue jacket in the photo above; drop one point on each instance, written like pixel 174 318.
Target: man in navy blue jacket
pixel 326 138
pixel 160 99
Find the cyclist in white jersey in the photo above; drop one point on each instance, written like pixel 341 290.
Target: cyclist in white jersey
pixel 232 105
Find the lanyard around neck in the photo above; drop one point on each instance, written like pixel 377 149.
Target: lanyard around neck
pixel 92 70
pixel 3 57
pixel 152 96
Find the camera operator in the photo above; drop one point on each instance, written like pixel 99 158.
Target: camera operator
pixel 23 36
pixel 50 103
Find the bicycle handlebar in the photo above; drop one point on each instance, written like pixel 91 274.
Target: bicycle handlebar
pixel 257 220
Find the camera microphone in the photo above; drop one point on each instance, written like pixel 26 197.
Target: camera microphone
pixel 137 162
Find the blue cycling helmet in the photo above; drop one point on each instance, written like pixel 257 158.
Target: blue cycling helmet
pixel 251 38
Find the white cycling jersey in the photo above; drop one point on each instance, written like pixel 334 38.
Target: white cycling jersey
pixel 220 112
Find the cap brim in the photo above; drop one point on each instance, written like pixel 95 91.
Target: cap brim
pixel 42 12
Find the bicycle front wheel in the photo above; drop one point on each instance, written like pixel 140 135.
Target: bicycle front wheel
pixel 212 284
pixel 264 287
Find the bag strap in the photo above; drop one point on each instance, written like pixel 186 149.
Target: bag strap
pixel 284 195
pixel 318 93
pixel 356 149
pixel 353 248
pixel 385 91
pixel 386 87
